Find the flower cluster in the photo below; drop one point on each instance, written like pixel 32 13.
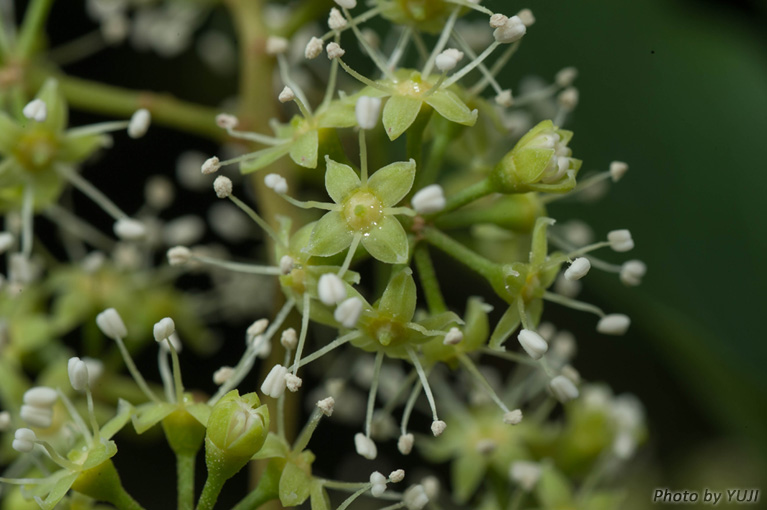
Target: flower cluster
pixel 414 158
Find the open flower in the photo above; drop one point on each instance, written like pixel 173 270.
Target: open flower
pixel 364 210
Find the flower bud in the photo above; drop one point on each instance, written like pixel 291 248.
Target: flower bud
pixel 540 161
pixel 236 431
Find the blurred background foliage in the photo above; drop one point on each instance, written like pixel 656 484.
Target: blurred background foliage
pixel 678 89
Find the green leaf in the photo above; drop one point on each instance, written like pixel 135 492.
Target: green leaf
pixel 320 499
pixel 399 298
pixel 304 150
pixel 340 180
pixel 295 485
pixel 387 242
pixel 506 326
pixel 330 235
pixel 450 106
pixel 467 473
pixel 149 415
pixel 392 182
pixel 265 158
pixel 399 113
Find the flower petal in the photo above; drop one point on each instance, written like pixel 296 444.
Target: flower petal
pixel 399 298
pixel 387 242
pixel 392 182
pixel 304 150
pixel 265 158
pixel 340 180
pixel 56 106
pixel 450 106
pixel 399 113
pixel 329 236
pixel 506 326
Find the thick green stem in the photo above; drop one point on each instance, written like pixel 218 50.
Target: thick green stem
pixel 467 195
pixel 415 135
pixel 210 492
pixel 488 269
pixel 266 490
pixel 443 138
pixel 32 27
pixel 429 281
pixel 110 100
pixel 185 463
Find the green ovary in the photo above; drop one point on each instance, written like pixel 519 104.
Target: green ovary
pixel 362 211
pixel 36 150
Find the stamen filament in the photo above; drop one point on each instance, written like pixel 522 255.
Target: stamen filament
pixel 487 75
pixel 76 418
pixel 399 49
pixel 471 65
pixel 332 80
pixel 474 371
pixel 363 159
pixel 100 128
pixel 178 383
pixel 573 303
pixel 524 318
pixel 409 405
pixel 424 381
pixel 586 183
pixel 354 496
pixel 373 391
pixel 308 430
pixel 91 192
pixel 471 5
pixel 166 375
pixel 350 254
pixel 326 349
pixel 362 18
pixel 441 42
pixel 357 76
pixel 400 210
pixel 499 64
pixel 256 137
pixel 258 219
pixel 237 266
pixel 85 231
pixel 57 458
pixel 298 91
pixel 511 356
pixel 304 329
pixel 311 204
pixel 373 53
pixel 27 220
pixel 135 372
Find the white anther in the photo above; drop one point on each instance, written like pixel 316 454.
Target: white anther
pixel 632 272
pixel 163 329
pixel 139 123
pixel 620 240
pixel 274 384
pixel 504 98
pixel 448 59
pixel 36 110
pixel 289 339
pixel 614 324
pixel 38 417
pixel 568 98
pixel 129 229
pixel 397 476
pixel 210 166
pixel 533 343
pixel 565 77
pixel 365 446
pixel 571 373
pixel 159 192
pixel 453 337
pixel 277 183
pixel 486 446
pixel 405 443
pixel 563 388
pixel 525 473
pixel 222 375
pixel 78 373
pixel 336 20
pixel 379 484
pixel 618 169
pixel 111 324
pixel 563 345
pixel 326 405
pixel 335 51
pixel 415 497
pixel 578 269
pixel 367 111
pixel 6 241
pixel 226 121
pixel 178 255
pixel 347 4
pixel 624 445
pixel 313 48
pixel 40 396
pixel 257 328
pixel 286 264
pixel 430 199
pixel 5 421
pixel 513 417
pixel 438 427
pixel 497 20
pixel 527 17
pixel 276 45
pixel 293 382
pixel 348 312
pixel 286 95
pixel 331 289
pixel 222 186
pixel 431 486
pixel 511 31
pixel 24 440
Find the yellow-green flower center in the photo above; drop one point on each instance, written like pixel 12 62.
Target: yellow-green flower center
pixel 363 210
pixel 35 150
pixel 422 10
